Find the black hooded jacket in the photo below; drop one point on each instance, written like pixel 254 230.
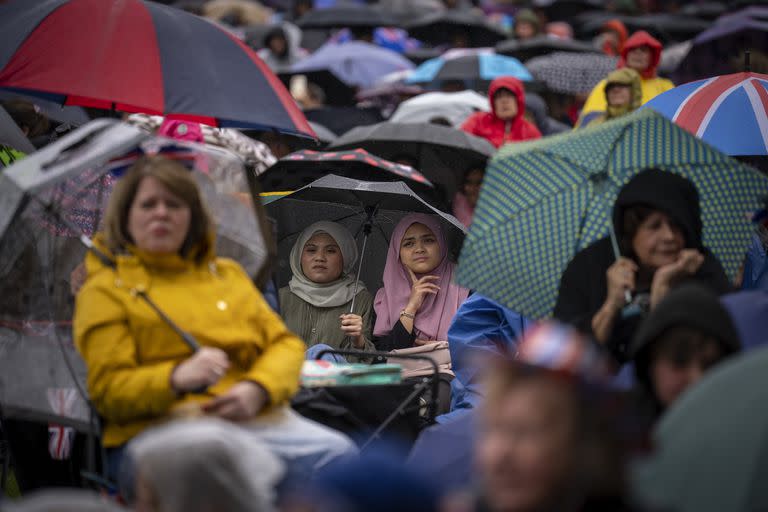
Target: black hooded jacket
pixel 584 284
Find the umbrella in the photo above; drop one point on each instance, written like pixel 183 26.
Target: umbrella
pixel 542 45
pixel 347 16
pixel 50 201
pixel 543 201
pixel 439 28
pixel 354 63
pixel 324 135
pixel 341 119
pixel 571 73
pixel 302 167
pixel 478 67
pixel 337 91
pixel 729 112
pixel 710 445
pixel 566 10
pixel 720 49
pixel 441 153
pixel 140 56
pixel 667 28
pixel 453 106
pixel 74 116
pixel 353 204
pixel 704 10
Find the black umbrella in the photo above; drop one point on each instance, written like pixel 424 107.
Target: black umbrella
pixel 443 154
pixel 667 28
pixel 340 119
pixel 444 27
pixel 303 167
pixel 542 45
pixel 51 202
pixel 354 204
pixel 363 16
pixel 566 10
pixel 337 91
pixel 704 10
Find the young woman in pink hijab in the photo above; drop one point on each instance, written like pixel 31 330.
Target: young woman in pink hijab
pixel 419 299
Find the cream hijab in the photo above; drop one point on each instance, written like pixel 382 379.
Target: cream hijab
pixel 332 294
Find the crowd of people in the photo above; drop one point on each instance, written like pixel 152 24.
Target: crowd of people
pixel 196 403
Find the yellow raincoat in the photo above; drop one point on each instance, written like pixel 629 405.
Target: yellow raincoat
pixel 130 352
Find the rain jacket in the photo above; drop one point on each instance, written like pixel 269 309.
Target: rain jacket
pixel 293 52
pixel 130 352
pixel 584 285
pixel 495 130
pixel 651 84
pixel 623 76
pixel 481 329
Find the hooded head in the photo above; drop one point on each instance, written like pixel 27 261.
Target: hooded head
pixel 617 27
pixel 637 40
pixel 629 79
pixel 664 191
pixel 512 85
pixel 688 327
pixel 526 16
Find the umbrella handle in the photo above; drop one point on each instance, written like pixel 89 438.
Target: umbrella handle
pixel 617 254
pixel 367 228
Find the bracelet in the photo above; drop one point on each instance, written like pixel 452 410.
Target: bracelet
pixel 407 315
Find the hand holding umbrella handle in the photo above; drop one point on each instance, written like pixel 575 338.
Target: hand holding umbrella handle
pixel 617 254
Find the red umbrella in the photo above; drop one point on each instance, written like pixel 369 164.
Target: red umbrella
pixel 140 56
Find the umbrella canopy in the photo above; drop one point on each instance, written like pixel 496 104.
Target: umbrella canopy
pixel 41 254
pixel 719 50
pixel 439 28
pixel 543 201
pixel 453 106
pixel 567 9
pixel 542 45
pixel 710 445
pixel 479 67
pixel 141 56
pixel 571 73
pixel 347 16
pixel 303 167
pixel 355 63
pixel 74 116
pixel 348 202
pixel 441 153
pixel 729 112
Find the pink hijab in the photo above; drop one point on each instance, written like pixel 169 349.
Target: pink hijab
pixel 436 313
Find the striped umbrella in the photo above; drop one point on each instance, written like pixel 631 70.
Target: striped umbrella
pixel 545 200
pixel 140 56
pixel 730 111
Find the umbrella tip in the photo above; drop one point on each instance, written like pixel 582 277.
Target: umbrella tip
pixel 746 61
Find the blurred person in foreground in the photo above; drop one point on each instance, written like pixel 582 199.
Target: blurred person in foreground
pixel 550 436
pixel 203 465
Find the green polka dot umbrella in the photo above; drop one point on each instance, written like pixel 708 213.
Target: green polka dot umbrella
pixel 543 201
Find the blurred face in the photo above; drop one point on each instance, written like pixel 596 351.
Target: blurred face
pixel 505 104
pixel 639 58
pixel 419 249
pixel 619 95
pixel 472 186
pixel 278 45
pixel 321 259
pixel 158 220
pixel 658 241
pixel 672 374
pixel 523 447
pixel 524 30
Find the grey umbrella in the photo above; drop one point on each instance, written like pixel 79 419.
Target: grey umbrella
pixel 571 73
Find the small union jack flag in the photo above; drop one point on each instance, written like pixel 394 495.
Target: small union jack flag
pixel 61 438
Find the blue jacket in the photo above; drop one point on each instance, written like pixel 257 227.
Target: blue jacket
pixel 480 328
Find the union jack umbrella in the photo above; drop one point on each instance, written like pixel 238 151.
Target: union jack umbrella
pixel 730 112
